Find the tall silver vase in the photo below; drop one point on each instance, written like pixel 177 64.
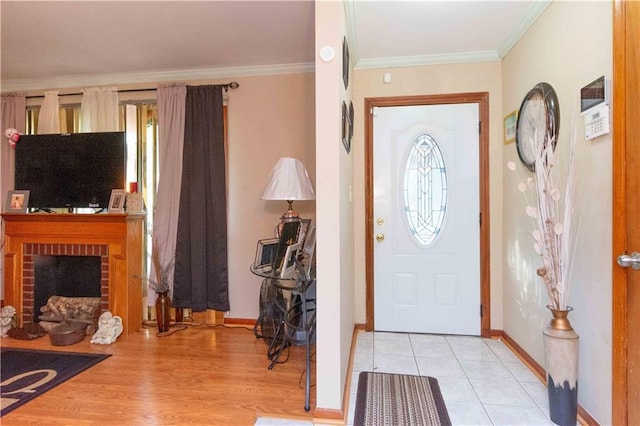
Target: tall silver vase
pixel 561 359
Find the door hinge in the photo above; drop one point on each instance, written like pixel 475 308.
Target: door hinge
pixel 480 218
pixel 481 311
pixel 479 127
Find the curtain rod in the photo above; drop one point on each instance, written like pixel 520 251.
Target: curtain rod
pixel 226 87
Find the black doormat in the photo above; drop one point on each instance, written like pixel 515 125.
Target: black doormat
pixel 26 373
pixel 398 399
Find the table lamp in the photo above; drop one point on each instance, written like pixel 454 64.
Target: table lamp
pixel 288 181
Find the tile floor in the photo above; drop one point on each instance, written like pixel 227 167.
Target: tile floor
pixel 482 381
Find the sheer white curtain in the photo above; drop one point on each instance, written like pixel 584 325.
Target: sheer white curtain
pixel 12 115
pixel 99 110
pixel 171 116
pixel 49 117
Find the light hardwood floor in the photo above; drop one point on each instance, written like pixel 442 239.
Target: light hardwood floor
pixel 197 376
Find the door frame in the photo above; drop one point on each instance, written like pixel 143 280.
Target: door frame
pixel 480 98
pixel 626 343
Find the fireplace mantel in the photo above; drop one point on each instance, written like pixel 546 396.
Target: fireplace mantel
pixel 121 233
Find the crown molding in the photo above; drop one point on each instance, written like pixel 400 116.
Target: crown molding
pixel 533 12
pixel 351 30
pixel 412 61
pixel 63 82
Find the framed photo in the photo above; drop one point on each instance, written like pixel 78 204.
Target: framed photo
pixel 309 244
pixel 288 236
pixel 117 200
pixel 289 262
pixel 304 228
pixel 310 261
pixel 17 201
pixel 510 128
pixel 345 62
pixel 346 127
pixel 351 123
pixel 265 254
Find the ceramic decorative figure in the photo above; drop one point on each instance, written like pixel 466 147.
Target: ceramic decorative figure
pixel 7 315
pixel 109 328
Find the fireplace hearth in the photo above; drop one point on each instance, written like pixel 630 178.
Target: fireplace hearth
pixel 69 275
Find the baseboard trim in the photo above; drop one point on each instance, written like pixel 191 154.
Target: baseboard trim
pixel 524 356
pixel 327 416
pixel 322 415
pixel 240 321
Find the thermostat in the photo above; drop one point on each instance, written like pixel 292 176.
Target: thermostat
pixel 596 122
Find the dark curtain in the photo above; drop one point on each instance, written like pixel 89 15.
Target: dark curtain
pixel 201 276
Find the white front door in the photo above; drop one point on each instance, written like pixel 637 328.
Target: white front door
pixel 426 219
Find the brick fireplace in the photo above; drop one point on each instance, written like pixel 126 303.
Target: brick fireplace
pixel 116 238
pixel 28 272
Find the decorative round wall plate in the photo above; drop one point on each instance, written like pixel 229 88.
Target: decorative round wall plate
pixel 538 120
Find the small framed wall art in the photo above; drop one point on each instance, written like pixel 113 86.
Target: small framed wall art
pixel 17 201
pixel 345 62
pixel 351 122
pixel 510 128
pixel 117 200
pixel 346 127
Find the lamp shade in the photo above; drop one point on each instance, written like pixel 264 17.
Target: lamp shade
pixel 289 181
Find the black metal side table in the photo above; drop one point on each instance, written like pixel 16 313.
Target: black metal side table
pixel 294 321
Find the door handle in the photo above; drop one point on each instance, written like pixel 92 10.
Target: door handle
pixel 380 238
pixel 632 260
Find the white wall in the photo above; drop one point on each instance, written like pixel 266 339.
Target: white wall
pixel 569 46
pixel 269 117
pixel 334 214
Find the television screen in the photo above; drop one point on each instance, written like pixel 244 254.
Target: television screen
pixel 70 170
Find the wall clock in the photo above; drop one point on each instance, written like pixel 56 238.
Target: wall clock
pixel 538 119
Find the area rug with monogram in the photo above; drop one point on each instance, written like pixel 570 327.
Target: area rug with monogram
pixel 398 399
pixel 26 373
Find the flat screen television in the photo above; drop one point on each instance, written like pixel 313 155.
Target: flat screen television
pixel 70 170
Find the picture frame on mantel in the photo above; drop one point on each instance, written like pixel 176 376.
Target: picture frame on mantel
pixel 117 201
pixel 17 201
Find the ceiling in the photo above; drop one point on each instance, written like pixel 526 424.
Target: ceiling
pixel 57 44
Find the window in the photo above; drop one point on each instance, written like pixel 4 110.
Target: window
pixel 425 190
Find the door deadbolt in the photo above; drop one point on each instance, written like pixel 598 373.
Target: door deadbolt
pixel 380 221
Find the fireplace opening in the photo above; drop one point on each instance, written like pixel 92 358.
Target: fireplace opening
pixel 69 276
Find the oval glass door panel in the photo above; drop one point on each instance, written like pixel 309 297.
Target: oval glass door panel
pixel 425 190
